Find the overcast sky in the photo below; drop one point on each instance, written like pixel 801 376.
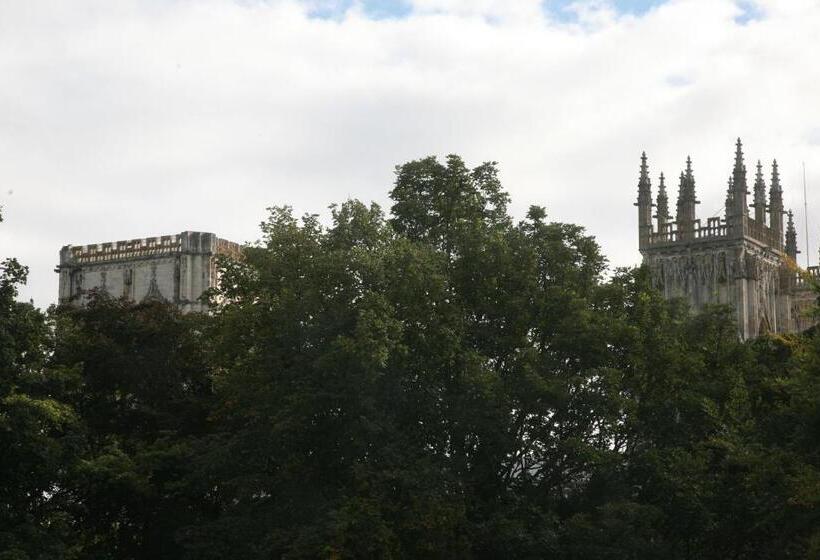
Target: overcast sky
pixel 126 119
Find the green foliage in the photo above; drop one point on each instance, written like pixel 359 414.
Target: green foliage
pixel 440 383
pixel 144 401
pixel 36 433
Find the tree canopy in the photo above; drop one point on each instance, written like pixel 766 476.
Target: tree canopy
pixel 440 381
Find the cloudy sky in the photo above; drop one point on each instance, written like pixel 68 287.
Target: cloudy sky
pixel 131 118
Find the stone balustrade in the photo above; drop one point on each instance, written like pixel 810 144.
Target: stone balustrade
pixel 671 233
pixel 715 228
pixel 808 278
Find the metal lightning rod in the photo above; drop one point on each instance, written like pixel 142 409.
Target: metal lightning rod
pixel 806 215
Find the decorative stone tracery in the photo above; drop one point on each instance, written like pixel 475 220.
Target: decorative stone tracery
pixel 737 260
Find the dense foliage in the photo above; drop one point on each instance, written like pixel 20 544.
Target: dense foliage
pixel 439 382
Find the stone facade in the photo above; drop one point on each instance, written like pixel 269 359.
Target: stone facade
pixel 738 260
pixel 173 268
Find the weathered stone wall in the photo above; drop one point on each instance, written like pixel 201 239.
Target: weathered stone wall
pixel 742 273
pixel 173 268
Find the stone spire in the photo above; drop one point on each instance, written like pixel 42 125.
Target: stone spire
pixel 644 205
pixel 686 203
pixel 662 205
pixel 760 195
pixel 776 206
pixel 736 219
pixel 791 238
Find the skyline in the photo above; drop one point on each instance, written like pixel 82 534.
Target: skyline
pixel 150 118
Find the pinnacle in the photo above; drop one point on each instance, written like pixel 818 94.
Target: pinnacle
pixel 775 188
pixel 739 156
pixel 644 169
pixel 662 188
pixel 759 182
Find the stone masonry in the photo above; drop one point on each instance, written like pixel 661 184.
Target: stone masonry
pixel 172 268
pixel 740 260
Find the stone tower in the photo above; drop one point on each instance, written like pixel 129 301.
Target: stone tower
pixel 738 260
pixel 173 268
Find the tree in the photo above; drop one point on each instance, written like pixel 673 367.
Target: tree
pixel 436 376
pixel 143 397
pixel 441 382
pixel 446 383
pixel 37 432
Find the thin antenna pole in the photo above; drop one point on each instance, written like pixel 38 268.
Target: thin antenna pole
pixel 806 216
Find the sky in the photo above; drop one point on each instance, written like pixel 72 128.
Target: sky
pixel 133 118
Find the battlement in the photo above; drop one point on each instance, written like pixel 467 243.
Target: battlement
pixel 123 250
pixel 147 247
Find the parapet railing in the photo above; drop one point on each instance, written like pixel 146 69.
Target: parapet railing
pixel 667 233
pixel 762 233
pixel 807 278
pixel 715 228
pixel 132 248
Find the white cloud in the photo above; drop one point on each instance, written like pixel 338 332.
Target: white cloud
pixel 134 118
pixel 494 10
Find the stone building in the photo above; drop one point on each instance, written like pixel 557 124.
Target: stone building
pixel 173 268
pixel 741 260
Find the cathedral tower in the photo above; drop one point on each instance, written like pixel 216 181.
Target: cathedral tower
pixel 737 260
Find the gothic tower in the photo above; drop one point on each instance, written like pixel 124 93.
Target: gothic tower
pixel 737 260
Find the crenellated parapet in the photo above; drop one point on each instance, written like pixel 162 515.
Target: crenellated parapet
pixel 147 247
pixel 120 250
